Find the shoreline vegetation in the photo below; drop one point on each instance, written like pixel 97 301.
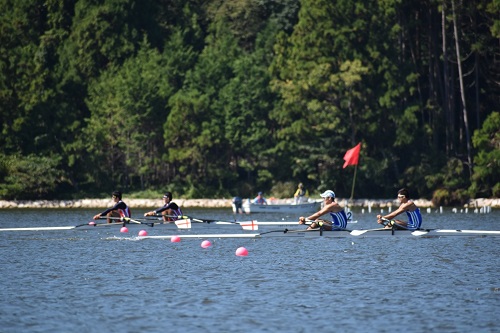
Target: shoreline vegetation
pixel 219 98
pixel 221 203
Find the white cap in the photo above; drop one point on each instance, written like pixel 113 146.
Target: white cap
pixel 327 194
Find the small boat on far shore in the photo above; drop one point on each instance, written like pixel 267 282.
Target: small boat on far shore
pixel 289 208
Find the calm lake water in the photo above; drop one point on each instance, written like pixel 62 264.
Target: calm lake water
pixel 105 281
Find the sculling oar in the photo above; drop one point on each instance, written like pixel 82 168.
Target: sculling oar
pixel 246 225
pixel 286 231
pixel 185 222
pixel 130 220
pixel 421 232
pixel 361 232
pixel 182 222
pixel 320 223
pixel 457 232
pixel 394 225
pixel 91 224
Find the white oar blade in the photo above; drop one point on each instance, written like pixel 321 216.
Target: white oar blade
pixel 251 225
pixel 358 232
pixel 183 224
pixel 362 232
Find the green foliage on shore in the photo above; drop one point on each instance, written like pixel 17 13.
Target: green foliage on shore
pixel 229 97
pixel 29 177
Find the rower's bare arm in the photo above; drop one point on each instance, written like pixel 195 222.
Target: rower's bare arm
pixel 325 210
pixel 395 213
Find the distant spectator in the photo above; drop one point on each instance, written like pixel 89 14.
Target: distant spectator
pixel 259 199
pixel 301 195
pixel 238 205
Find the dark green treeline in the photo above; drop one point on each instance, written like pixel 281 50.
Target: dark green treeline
pixel 212 98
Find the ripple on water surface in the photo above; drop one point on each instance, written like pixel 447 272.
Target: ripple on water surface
pixel 68 280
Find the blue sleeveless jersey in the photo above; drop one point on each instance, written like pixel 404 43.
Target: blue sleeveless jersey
pixel 414 219
pixel 339 219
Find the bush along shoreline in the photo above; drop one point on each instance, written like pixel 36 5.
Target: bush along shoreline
pixel 225 203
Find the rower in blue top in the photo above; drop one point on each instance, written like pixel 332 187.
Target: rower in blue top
pixel 407 206
pixel 337 213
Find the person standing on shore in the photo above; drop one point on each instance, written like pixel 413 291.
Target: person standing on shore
pixel 407 206
pixel 120 209
pixel 170 211
pixel 339 217
pixel 301 195
pixel 238 205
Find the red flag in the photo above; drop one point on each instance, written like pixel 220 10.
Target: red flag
pixel 351 157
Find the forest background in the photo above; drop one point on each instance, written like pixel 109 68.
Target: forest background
pixel 216 98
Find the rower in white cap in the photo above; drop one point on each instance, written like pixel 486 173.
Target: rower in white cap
pixel 339 217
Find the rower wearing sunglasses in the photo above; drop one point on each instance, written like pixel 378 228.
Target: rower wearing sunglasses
pixel 407 206
pixel 170 211
pixel 119 210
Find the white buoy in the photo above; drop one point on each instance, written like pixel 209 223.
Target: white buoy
pixel 362 211
pixel 428 210
pixel 441 209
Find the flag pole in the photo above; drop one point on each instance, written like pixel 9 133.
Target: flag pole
pixel 353 182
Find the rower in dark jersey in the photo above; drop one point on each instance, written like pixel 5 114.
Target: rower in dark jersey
pixel 170 210
pixel 120 209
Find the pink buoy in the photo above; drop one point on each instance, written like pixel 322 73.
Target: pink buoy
pixel 124 229
pixel 175 239
pixel 92 223
pixel 241 252
pixel 205 244
pixel 143 233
